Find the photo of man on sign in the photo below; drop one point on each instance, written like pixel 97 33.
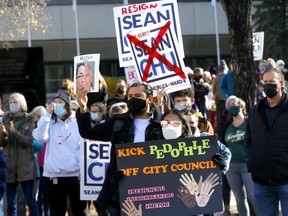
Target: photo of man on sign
pixel 86 72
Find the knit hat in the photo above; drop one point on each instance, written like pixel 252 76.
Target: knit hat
pixel 64 95
pixel 189 70
pixel 223 66
pixel 232 97
pixel 74 105
pixel 280 62
pixel 39 110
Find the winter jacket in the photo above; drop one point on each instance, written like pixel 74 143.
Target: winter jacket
pixel 267 149
pixel 18 149
pixel 227 84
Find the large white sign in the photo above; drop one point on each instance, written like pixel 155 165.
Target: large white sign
pixel 94 160
pixel 258 45
pixel 137 16
pixel 157 59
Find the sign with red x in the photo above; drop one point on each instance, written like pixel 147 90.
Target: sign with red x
pixel 132 17
pixel 156 58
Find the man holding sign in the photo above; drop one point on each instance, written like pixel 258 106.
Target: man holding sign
pixel 140 124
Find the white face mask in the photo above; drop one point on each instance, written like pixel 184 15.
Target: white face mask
pixel 171 132
pixel 180 106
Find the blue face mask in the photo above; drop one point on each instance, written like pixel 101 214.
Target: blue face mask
pixel 14 107
pixel 60 110
pixel 1 119
pixel 95 117
pixel 234 110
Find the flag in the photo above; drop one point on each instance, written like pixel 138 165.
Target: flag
pixel 213 2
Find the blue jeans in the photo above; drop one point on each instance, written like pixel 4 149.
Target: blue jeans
pixel 238 177
pixel 27 187
pixel 268 197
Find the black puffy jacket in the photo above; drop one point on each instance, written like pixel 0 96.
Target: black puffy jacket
pixel 267 149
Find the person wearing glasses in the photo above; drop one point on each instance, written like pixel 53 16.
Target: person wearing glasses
pixel 266 146
pixel 84 77
pixel 118 108
pixel 141 123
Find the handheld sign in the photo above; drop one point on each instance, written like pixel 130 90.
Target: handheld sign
pixel 86 72
pixel 95 158
pixel 156 58
pixel 132 17
pixel 170 177
pixel 258 44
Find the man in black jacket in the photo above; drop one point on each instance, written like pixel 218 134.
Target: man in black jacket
pixel 267 146
pixel 140 124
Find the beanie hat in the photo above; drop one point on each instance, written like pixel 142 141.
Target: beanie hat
pixel 64 95
pixel 223 66
pixel 74 105
pixel 280 62
pixel 188 70
pixel 232 97
pixel 39 110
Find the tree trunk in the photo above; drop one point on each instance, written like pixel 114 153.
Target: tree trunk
pixel 238 15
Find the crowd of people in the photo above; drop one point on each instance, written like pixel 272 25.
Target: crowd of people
pixel 40 150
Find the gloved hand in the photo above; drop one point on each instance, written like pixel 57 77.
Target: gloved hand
pixel 219 159
pixel 116 178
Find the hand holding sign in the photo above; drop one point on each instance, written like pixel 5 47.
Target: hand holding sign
pixel 130 209
pixel 203 198
pixel 82 99
pixel 186 197
pixel 189 183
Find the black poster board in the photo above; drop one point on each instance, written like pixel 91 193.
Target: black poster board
pixel 170 177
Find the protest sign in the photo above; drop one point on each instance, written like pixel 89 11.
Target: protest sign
pixel 157 59
pixel 170 177
pixel 131 17
pixel 86 72
pixel 95 158
pixel 131 75
pixel 258 44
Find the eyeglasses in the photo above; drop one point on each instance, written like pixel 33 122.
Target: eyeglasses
pixel 83 76
pixel 115 106
pixel 174 123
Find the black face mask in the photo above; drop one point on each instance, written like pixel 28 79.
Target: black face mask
pixel 136 105
pixel 120 90
pixel 270 90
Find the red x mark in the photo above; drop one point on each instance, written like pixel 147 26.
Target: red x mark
pixel 154 54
